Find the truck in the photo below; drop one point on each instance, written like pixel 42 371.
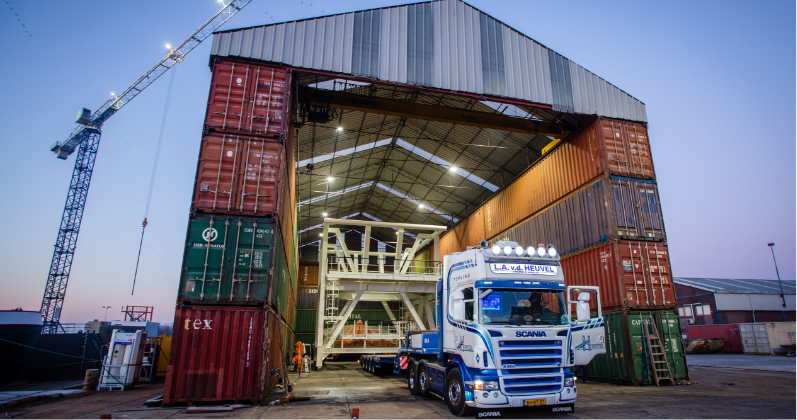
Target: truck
pixel 506 336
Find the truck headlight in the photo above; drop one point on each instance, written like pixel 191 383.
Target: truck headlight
pixel 570 381
pixel 486 385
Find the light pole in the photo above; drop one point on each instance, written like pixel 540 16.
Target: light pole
pixel 106 312
pixel 772 248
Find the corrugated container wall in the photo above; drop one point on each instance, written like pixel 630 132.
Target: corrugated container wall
pixel 237 175
pixel 248 98
pixel 781 336
pixel 630 274
pixel 626 360
pixel 604 147
pixel 610 208
pixel 216 355
pixel 227 260
pixel 308 274
pixel 283 287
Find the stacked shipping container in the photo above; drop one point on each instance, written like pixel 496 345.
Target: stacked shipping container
pixel 236 305
pixel 594 196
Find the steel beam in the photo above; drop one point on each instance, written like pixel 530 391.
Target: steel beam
pixel 377 105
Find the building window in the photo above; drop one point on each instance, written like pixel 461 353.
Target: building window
pixel 680 311
pixel 687 311
pixel 706 310
pixel 699 310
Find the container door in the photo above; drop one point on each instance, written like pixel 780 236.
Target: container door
pixel 249 255
pixel 257 176
pixel 266 113
pixel 229 95
pixel 588 338
pixel 670 332
pixel 203 270
pixel 761 338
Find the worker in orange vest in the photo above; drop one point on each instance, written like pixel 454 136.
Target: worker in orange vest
pixel 298 355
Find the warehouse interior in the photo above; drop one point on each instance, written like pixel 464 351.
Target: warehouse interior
pixel 406 168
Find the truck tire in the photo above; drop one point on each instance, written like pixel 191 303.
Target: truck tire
pixel 412 378
pixel 455 394
pixel 423 381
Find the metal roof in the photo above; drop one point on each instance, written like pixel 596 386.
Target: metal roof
pixel 445 44
pixel 738 285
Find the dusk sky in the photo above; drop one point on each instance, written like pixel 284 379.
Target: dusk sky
pixel 718 79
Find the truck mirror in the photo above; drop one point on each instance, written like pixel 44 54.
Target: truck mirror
pixel 582 309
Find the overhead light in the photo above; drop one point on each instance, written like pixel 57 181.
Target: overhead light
pixel 113 94
pixel 330 179
pixel 321 235
pixel 453 169
pixel 340 128
pixel 324 214
pixel 169 46
pixel 420 205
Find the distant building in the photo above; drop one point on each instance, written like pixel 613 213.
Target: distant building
pixel 733 301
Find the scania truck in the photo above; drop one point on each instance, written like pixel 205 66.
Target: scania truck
pixel 506 336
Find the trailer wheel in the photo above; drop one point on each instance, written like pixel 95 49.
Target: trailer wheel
pixel 412 378
pixel 455 394
pixel 423 381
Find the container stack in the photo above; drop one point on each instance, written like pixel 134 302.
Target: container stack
pixel 594 196
pixel 236 303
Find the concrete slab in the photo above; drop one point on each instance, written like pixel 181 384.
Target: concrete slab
pixel 743 361
pixel 719 393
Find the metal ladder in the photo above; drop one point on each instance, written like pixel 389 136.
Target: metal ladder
pixel 658 359
pixel 331 301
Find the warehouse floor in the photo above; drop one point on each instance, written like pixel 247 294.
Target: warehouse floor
pixel 722 391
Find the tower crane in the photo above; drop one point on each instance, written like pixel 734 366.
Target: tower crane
pixel 86 140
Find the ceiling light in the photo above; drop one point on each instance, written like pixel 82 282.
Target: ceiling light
pixel 420 205
pixel 340 128
pixel 453 169
pixel 324 214
pixel 321 235
pixel 330 179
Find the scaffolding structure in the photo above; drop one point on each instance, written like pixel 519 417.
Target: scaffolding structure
pixel 347 276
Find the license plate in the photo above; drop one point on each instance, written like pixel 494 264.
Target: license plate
pixel 535 402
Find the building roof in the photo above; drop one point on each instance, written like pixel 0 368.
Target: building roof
pixel 445 44
pixel 738 285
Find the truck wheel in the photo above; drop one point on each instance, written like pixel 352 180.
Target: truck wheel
pixel 423 380
pixel 455 394
pixel 412 378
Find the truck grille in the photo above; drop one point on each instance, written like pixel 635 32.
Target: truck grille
pixel 536 366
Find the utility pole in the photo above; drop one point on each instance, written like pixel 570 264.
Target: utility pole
pixel 772 248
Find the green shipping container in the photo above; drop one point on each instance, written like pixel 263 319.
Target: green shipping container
pixel 626 360
pixel 308 340
pixel 283 285
pixel 305 321
pixel 227 260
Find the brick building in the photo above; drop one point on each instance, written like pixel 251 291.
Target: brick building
pixel 733 301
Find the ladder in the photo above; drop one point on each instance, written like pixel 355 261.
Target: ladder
pixel 658 359
pixel 331 306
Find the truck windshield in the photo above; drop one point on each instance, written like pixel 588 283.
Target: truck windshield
pixel 522 307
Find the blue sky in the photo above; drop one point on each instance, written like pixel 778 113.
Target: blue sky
pixel 718 78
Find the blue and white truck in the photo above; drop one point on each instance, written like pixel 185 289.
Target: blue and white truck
pixel 506 335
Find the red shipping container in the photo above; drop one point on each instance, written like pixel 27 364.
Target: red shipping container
pixel 237 175
pixel 630 274
pixel 248 98
pixel 728 332
pixel 217 355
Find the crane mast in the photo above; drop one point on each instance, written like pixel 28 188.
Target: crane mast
pixel 86 140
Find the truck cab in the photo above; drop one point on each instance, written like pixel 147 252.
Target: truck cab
pixel 507 337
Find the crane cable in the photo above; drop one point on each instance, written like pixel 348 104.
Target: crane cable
pixel 152 177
